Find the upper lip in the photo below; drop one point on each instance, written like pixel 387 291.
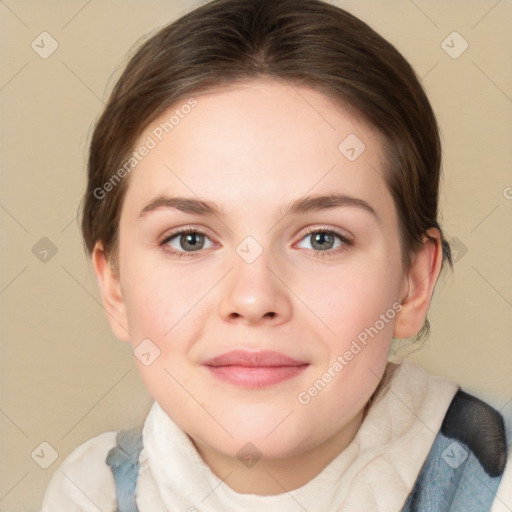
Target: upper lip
pixel 255 359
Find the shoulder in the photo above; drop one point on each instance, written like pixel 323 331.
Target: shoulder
pixel 467 460
pixel 84 481
pixel 480 428
pixel 486 434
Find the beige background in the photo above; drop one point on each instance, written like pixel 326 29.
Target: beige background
pixel 64 377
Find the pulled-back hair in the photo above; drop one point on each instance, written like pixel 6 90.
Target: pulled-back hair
pixel 300 42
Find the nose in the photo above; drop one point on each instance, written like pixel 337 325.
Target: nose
pixel 255 292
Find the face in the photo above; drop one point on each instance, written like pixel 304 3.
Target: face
pixel 306 288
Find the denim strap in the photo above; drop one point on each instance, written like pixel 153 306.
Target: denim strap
pixel 466 462
pixel 123 459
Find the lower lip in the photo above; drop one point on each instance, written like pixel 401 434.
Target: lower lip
pixel 256 376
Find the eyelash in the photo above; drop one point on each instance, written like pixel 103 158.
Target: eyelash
pixel 321 254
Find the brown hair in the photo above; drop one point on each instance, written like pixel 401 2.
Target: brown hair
pixel 301 42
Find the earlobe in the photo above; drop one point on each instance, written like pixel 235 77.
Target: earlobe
pixel 113 301
pixel 420 282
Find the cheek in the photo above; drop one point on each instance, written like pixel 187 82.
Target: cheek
pixel 361 314
pixel 166 303
pixel 359 306
pixel 353 297
pixel 149 304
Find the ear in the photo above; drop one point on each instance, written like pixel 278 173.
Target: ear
pixel 419 286
pixel 110 287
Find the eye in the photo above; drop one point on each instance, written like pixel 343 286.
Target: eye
pixel 185 241
pixel 323 241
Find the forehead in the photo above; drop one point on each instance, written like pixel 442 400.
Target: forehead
pixel 259 141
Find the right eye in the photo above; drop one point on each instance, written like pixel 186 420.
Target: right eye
pixel 185 241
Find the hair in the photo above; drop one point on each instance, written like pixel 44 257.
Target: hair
pixel 300 42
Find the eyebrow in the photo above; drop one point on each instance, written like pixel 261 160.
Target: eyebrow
pixel 297 206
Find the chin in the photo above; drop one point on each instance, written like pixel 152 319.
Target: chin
pixel 258 447
pixel 267 435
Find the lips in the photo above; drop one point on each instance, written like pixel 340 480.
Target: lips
pixel 267 358
pixel 254 369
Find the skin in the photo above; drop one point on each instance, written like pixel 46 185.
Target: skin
pixel 252 148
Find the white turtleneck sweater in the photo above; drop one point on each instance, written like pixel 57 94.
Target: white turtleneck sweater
pixel 375 472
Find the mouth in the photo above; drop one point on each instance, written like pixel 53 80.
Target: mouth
pixel 254 369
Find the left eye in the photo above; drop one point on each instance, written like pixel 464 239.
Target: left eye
pixel 187 241
pixel 324 240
